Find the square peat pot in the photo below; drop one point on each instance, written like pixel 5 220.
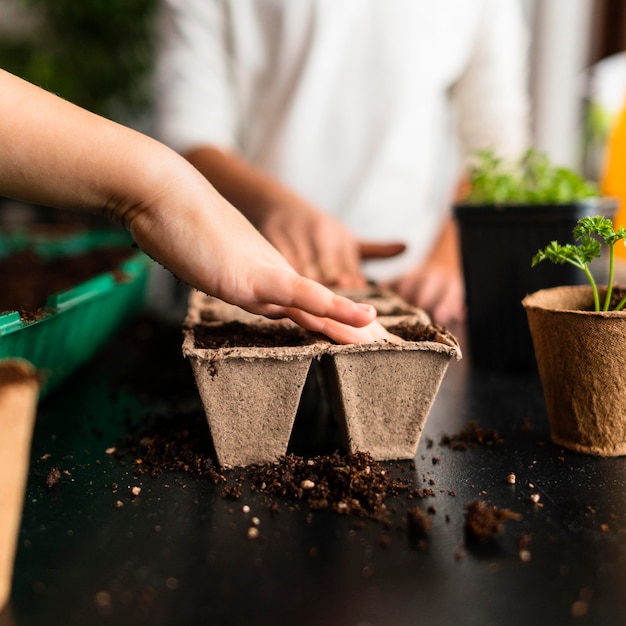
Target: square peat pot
pixel 74 324
pixel 384 392
pixel 498 243
pixel 250 373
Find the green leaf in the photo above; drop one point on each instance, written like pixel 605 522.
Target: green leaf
pixel 532 179
pixel 592 233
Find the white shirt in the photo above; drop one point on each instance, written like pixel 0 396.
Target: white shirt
pixel 347 101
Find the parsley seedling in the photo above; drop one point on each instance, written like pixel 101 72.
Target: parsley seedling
pixel 590 232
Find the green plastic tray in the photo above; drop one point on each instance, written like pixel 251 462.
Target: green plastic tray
pixel 81 319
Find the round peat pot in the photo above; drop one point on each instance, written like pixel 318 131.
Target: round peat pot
pixel 19 391
pixel 581 358
pixel 497 247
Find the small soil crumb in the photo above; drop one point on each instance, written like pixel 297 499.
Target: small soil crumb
pixel 511 478
pixel 233 492
pixel 53 477
pixel 472 435
pixel 484 521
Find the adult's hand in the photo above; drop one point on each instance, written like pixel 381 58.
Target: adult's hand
pixel 435 289
pixel 437 284
pixel 316 244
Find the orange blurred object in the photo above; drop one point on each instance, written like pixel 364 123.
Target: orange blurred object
pixel 613 181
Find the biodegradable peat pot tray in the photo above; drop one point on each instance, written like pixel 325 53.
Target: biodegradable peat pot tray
pixel 19 390
pixel 250 373
pixel 497 243
pixel 582 365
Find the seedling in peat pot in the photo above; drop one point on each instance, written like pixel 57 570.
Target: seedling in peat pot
pixel 591 233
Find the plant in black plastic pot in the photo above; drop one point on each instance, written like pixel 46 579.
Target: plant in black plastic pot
pixel 511 210
pixel 579 338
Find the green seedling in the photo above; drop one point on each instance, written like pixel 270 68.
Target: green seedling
pixel 591 233
pixel 532 179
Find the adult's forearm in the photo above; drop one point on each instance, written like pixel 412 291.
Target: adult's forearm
pixel 250 190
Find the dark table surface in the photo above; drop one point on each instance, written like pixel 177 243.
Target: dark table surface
pixel 179 552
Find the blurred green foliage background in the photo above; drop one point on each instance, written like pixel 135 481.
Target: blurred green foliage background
pixel 95 53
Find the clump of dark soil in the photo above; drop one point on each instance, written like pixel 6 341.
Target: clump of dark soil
pixel 484 522
pixel 239 335
pixel 29 278
pixel 350 484
pixel 347 484
pixel 472 435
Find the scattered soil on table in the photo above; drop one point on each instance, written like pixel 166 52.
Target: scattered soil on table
pixel 180 445
pixel 347 484
pixel 485 521
pixel 28 278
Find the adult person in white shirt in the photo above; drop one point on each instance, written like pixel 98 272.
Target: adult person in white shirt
pixel 327 123
pixel 59 155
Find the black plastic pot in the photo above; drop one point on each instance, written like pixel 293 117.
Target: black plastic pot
pixel 497 246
